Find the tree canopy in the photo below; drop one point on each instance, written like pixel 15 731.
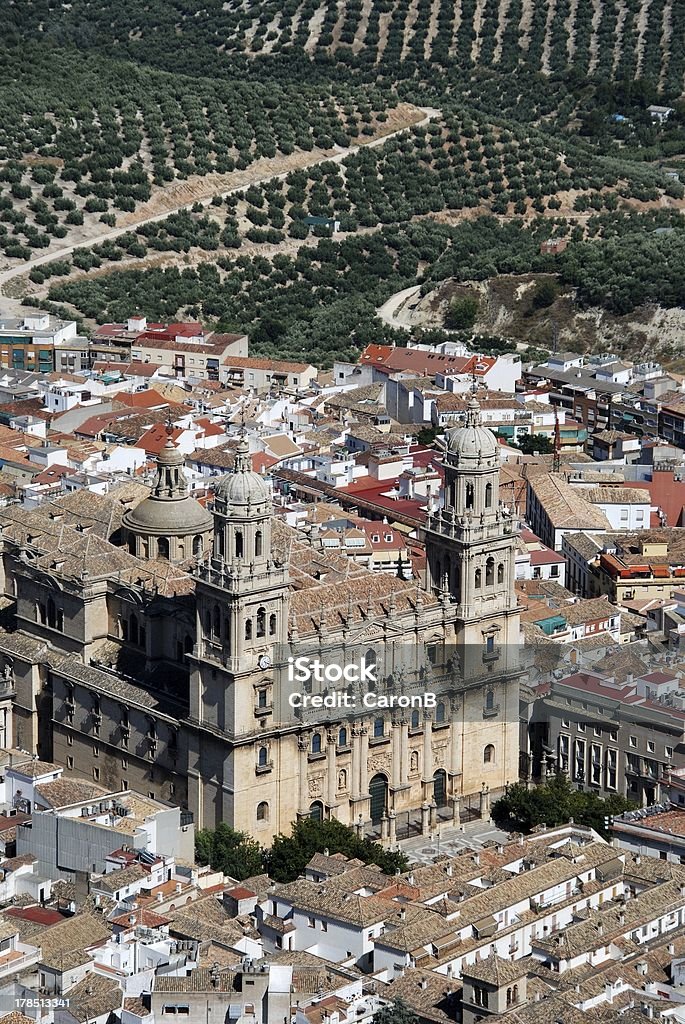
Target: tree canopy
pixel 555 803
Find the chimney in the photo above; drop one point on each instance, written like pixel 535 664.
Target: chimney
pixel 423 983
pixel 403 914
pixel 671 948
pixel 450 870
pixel 638 859
pixel 609 992
pixel 326 851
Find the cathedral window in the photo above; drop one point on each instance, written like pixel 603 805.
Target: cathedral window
pixel 216 621
pixel 188 645
pixel 342 738
pixel 488 495
pixel 272 625
pixel 55 616
pixel 489 699
pixel 208 622
pixel 221 546
pixel 132 543
pixel 500 573
pixel 415 720
pixel 261 622
pixel 41 614
pixel 248 629
pixel 162 547
pixel 316 743
pixel 263 811
pixel 197 545
pixel 469 496
pixel 489 754
pixel 378 727
pixel 262 757
pixel 440 713
pixel 238 543
pixel 477 579
pixel 258 543
pixel 133 629
pixel 490 572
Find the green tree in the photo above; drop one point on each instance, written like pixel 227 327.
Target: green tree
pixel 555 803
pixel 545 293
pixel 289 855
pixel 224 849
pixel 427 435
pixel 462 313
pixel 395 1013
pixel 531 443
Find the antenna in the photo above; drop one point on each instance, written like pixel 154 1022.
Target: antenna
pixel 556 459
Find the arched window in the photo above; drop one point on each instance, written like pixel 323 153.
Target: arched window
pixel 248 629
pixel 188 644
pixel 263 811
pixel 216 623
pixel 342 780
pixel 370 657
pixel 131 544
pixel 133 629
pixel 378 727
pixel 197 544
pixel 316 811
pixel 489 700
pixel 208 622
pixel 342 738
pixel 316 743
pixel 488 495
pixel 500 573
pixel 440 712
pixel 220 543
pixel 415 719
pixel 489 754
pixel 261 622
pixel 52 613
pixel 162 547
pixel 262 757
pixel 478 578
pixel 258 543
pixel 238 543
pixel 272 624
pixel 490 572
pixel 469 496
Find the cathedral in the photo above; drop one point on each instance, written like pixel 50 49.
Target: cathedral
pixel 145 640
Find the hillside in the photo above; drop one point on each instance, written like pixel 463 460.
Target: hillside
pixel 141 139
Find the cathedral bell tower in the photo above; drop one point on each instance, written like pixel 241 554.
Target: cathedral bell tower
pixel 471 544
pixel 241 593
pixel 241 598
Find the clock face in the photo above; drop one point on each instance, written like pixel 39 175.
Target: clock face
pixel 265 661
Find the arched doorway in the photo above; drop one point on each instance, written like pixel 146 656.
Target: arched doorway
pixel 379 797
pixel 316 811
pixel 440 788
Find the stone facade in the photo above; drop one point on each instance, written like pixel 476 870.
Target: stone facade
pixel 161 677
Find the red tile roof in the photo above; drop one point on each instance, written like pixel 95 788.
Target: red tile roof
pixel 148 399
pixel 39 915
pixel 393 359
pixel 154 439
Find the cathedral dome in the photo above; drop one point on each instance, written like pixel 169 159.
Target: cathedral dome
pixel 243 486
pixel 472 440
pixel 169 510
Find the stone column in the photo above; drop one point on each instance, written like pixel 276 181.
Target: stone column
pixel 456 817
pixel 433 807
pixel 364 772
pixel 484 803
pixel 425 818
pixel 455 730
pixel 302 750
pixel 404 749
pixel 384 828
pixel 392 817
pixel 356 747
pixel 396 754
pixel 330 769
pixel 427 755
